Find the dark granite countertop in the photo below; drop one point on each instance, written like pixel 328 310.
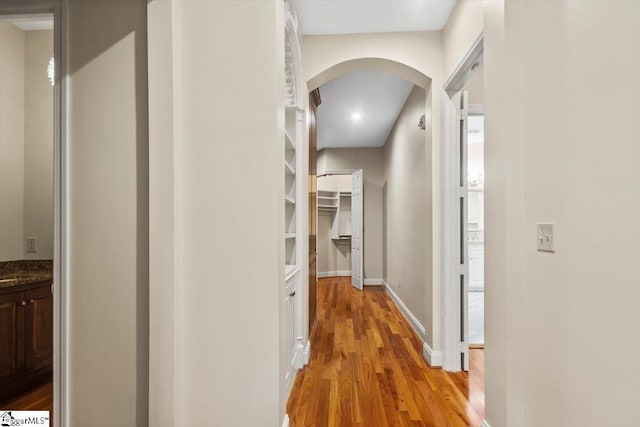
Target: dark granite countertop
pixel 17 273
pixel 24 278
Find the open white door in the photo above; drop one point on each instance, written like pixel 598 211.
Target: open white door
pixel 357 212
pixel 464 241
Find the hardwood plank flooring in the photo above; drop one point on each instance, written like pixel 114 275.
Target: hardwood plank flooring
pixel 367 369
pixel 37 399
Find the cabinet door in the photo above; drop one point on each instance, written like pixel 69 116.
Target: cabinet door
pixel 12 346
pixel 39 328
pixel 290 320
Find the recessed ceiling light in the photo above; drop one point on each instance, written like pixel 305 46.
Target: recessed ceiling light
pixel 356 117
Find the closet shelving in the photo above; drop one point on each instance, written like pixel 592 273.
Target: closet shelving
pixel 292 136
pixel 328 200
pixel 335 201
pixel 294 198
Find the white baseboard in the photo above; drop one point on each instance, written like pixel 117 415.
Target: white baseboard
pixel 343 273
pixel 306 352
pixel 484 424
pixel 285 422
pixel 434 358
pixel 413 321
pixel 373 282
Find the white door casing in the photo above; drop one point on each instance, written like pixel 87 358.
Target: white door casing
pixel 462 116
pixel 454 310
pixel 357 213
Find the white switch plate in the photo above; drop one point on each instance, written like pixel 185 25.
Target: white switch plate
pixel 32 245
pixel 545 238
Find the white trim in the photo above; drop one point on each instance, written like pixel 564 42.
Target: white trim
pixel 484 424
pixel 336 171
pixel 434 358
pixel 373 282
pixel 291 273
pixel 463 72
pixel 34 7
pixel 306 353
pixel 342 273
pixel 285 422
pixel 61 256
pixel 450 246
pixel 413 321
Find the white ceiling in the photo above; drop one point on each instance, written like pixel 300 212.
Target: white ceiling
pixel 33 24
pixel 377 97
pixel 372 16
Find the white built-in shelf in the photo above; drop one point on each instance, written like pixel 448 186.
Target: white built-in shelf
pixel 293 107
pixel 290 145
pixel 292 150
pixel 289 170
pixel 290 270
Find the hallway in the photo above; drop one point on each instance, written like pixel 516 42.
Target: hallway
pixel 367 369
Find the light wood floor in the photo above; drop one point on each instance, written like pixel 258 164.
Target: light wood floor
pixel 38 399
pixel 367 369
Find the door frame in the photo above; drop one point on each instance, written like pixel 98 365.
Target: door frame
pixel 60 197
pixel 452 312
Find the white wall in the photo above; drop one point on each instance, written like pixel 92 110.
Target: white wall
pixel 38 144
pixel 108 228
pixel 26 143
pixel 333 256
pixel 495 245
pixel 371 160
pixel 12 43
pixel 227 116
pixel 563 105
pixel 548 108
pixel 475 87
pixel 408 210
pixel 464 26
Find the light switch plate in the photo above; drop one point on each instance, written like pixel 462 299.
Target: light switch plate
pixel 32 245
pixel 545 238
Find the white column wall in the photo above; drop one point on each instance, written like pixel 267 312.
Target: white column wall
pixel 218 131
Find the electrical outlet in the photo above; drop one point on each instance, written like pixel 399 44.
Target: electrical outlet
pixel 32 245
pixel 545 238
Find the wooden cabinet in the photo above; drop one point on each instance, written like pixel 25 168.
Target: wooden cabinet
pixel 26 337
pixel 39 328
pixel 11 334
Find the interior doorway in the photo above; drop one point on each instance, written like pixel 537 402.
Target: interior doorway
pixel 32 354
pixel 340 225
pixel 463 230
pixel 475 208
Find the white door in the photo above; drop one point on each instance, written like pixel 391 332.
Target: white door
pixel 463 108
pixel 356 230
